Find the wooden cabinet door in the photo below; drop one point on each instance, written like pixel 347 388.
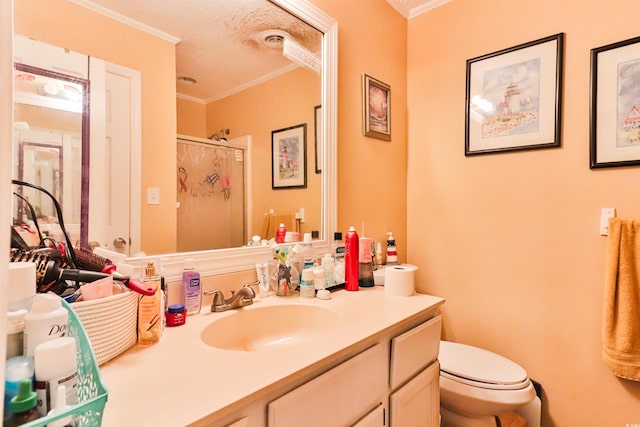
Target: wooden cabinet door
pixel 417 403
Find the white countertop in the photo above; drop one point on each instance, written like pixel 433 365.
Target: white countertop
pixel 181 380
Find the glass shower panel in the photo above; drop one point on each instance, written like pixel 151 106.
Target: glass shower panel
pixel 211 196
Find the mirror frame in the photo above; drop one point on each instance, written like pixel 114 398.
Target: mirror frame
pixel 222 261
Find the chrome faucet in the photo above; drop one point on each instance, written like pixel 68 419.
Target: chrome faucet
pixel 240 298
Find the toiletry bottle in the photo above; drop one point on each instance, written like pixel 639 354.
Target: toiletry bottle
pixel 306 251
pixel 280 233
pixel 47 320
pixel 351 260
pixel 337 247
pixel 16 370
pixel 379 255
pixel 319 280
pixel 191 283
pixel 328 264
pixel 15 332
pixel 22 406
pixel 56 364
pixel 337 250
pixel 61 406
pixel 307 284
pixel 392 254
pixel 150 310
pixel 365 266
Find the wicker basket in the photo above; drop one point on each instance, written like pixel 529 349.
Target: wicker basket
pixel 92 395
pixel 111 323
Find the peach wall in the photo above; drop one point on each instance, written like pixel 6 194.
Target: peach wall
pixel 192 118
pixel 511 240
pixel 282 102
pixel 372 178
pixel 63 23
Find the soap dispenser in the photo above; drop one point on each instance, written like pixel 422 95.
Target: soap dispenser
pixel 392 253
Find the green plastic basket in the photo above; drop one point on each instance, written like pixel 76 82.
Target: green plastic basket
pixel 92 395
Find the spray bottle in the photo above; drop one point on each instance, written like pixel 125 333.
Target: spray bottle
pixel 351 260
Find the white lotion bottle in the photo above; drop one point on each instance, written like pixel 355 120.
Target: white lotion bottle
pixel 192 291
pixel 55 365
pixel 46 321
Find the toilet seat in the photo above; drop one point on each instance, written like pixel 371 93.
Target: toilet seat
pixel 480 368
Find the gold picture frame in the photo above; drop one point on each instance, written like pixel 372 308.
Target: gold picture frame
pixel 376 108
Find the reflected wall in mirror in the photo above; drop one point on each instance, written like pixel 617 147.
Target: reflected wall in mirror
pixel 249 107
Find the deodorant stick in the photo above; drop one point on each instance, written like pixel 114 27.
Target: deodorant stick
pixel 56 365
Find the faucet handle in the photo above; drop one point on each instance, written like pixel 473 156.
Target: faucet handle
pixel 218 303
pixel 249 285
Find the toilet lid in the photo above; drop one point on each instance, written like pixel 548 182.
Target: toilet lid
pixel 475 364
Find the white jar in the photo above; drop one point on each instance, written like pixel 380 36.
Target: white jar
pixel 22 285
pixel 55 365
pixel 46 320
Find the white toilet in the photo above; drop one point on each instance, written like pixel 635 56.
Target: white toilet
pixel 476 385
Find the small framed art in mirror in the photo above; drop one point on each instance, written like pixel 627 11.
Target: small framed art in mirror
pixel 289 157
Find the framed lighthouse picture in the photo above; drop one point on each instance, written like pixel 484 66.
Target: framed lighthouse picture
pixel 514 98
pixel 615 105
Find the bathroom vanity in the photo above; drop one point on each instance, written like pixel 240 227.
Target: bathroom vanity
pixel 358 359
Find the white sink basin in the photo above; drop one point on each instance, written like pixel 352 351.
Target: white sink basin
pixel 270 327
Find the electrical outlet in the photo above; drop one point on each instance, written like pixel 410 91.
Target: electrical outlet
pixel 604 220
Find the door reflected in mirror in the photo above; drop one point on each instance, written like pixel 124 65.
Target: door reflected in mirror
pixel 48 144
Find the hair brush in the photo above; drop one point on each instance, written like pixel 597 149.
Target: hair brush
pixel 85 258
pixel 50 271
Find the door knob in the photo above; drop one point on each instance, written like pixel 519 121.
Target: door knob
pixel 119 243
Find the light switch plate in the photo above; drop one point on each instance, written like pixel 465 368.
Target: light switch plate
pixel 153 196
pixel 604 220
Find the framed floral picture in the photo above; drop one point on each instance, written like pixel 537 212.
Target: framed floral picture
pixel 289 157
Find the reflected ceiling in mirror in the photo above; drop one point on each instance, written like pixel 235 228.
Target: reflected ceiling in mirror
pixel 222 46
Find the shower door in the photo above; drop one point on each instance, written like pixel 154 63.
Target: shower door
pixel 211 196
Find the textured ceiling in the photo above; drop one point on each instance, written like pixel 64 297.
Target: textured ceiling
pixel 220 44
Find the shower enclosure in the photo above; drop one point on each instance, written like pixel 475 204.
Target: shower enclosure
pixel 212 193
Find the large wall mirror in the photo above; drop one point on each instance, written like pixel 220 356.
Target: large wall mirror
pixel 278 71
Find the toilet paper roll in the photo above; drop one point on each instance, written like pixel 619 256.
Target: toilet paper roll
pixel 399 280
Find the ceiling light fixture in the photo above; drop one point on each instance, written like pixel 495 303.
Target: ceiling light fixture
pixel 187 80
pixel 273 39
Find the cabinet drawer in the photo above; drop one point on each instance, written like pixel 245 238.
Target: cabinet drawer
pixel 413 350
pixel 339 397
